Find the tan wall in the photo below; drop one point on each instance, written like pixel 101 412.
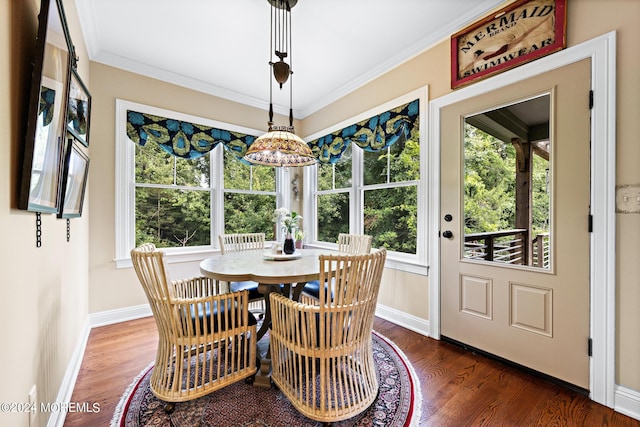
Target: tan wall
pixel 405 292
pixel 44 290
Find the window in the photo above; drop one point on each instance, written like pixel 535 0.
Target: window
pixel 249 197
pixel 391 179
pixel 183 203
pixel 332 198
pixel 377 192
pixel 172 198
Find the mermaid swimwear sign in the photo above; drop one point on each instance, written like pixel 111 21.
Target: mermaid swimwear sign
pixel 521 32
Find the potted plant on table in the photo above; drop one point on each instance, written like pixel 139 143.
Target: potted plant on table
pixel 298 235
pixel 290 223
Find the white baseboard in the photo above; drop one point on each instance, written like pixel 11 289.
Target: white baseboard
pixel 56 419
pixel 413 323
pixel 110 317
pixel 627 401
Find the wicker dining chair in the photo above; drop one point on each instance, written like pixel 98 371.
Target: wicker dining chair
pixel 207 338
pixel 242 242
pixel 356 244
pixel 321 354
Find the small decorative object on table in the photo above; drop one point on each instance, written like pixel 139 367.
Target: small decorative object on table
pixel 289 245
pixel 290 223
pixel 299 237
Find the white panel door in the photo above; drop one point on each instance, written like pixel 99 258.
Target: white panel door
pixel 538 318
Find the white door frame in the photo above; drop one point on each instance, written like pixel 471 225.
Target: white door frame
pixel 602 51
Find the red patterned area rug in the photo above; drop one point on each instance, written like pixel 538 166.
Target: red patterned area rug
pixel 240 404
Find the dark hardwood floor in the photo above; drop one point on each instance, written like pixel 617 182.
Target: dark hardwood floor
pixel 459 388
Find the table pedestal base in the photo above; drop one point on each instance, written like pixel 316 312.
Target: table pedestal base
pixel 263 376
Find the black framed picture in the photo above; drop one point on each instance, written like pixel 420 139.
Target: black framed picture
pixel 74 180
pixel 44 137
pixel 78 109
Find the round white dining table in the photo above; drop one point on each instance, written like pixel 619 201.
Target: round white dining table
pixel 265 267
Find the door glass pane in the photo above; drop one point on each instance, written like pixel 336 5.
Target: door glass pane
pixel 507 215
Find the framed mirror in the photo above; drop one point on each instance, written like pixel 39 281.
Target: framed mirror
pixel 78 108
pixel 43 145
pixel 74 180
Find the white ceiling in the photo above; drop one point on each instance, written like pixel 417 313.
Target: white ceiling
pixel 221 47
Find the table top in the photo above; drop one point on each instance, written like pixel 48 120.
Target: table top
pixel 259 266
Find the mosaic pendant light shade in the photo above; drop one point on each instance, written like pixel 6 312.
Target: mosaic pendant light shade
pixel 280 147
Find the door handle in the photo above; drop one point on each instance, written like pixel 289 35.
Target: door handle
pixel 447 234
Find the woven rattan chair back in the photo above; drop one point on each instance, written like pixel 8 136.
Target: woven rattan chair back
pixel 356 244
pixel 321 355
pixel 240 242
pixel 207 339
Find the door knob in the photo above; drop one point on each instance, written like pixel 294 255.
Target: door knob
pixel 447 234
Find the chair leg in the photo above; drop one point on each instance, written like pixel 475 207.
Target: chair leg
pixel 169 407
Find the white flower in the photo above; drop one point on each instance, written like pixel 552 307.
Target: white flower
pixel 277 213
pixel 290 221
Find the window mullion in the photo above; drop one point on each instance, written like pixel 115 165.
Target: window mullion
pixel 356 207
pixel 333 176
pixel 388 165
pixel 216 171
pixel 175 170
pixel 283 194
pixel 310 202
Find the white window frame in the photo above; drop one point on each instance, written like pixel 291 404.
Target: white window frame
pixel 125 185
pixel 414 263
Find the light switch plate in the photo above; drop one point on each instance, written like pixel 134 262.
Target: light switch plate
pixel 628 198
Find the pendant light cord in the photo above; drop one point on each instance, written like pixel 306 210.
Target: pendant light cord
pixel 271 70
pixel 290 68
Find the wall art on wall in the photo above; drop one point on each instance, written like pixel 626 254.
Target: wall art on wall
pixel 517 34
pixel 78 109
pixel 74 180
pixel 45 115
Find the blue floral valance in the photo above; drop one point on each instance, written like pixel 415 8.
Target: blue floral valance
pixel 191 140
pixel 373 134
pixel 184 139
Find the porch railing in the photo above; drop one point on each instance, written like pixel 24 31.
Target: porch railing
pixel 508 246
pixel 540 245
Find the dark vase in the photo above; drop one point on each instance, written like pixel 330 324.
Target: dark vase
pixel 289 245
